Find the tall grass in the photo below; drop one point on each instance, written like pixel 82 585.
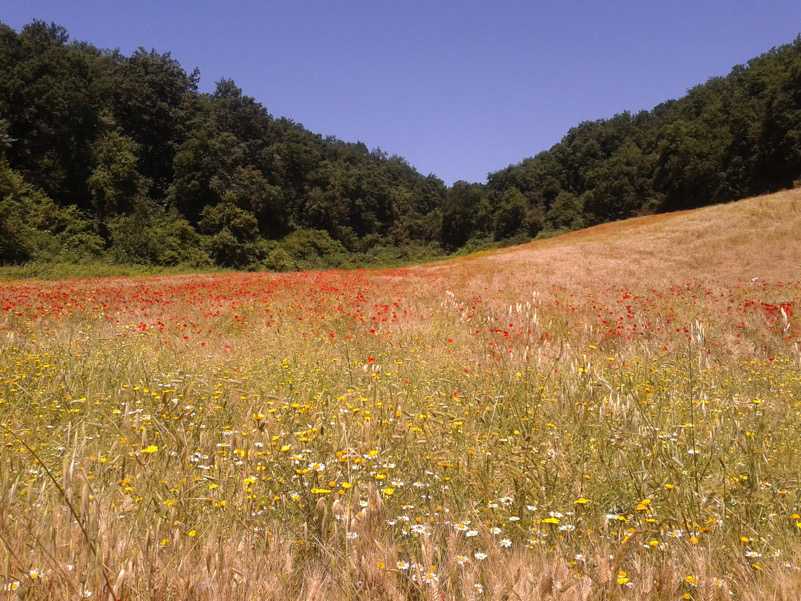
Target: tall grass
pixel 450 432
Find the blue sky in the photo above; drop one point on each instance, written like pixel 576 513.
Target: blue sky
pixel 459 89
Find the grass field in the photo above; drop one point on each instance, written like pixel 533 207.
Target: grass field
pixel 611 414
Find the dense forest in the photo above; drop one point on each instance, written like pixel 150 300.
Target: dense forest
pixel 114 158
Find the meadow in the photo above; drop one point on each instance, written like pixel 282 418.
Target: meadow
pixel 611 414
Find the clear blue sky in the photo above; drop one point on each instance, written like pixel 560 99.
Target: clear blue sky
pixel 459 88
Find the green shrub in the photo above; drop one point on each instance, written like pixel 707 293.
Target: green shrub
pixel 313 249
pixel 151 236
pixel 33 227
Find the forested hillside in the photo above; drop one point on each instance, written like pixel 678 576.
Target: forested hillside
pixel 120 158
pixel 729 138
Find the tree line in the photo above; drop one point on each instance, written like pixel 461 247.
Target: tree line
pixel 120 158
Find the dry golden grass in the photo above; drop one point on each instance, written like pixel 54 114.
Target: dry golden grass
pixel 612 414
pixel 754 238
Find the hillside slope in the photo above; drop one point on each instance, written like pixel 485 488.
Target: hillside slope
pixel 758 237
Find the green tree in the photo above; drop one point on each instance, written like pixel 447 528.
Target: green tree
pixel 241 116
pixel 251 192
pixel 153 99
pixel 234 239
pixel 465 214
pixel 690 169
pixel 511 215
pixel 618 187
pixel 47 97
pixel 115 182
pixel 203 166
pixel 566 213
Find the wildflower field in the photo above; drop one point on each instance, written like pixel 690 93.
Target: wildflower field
pixel 607 415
